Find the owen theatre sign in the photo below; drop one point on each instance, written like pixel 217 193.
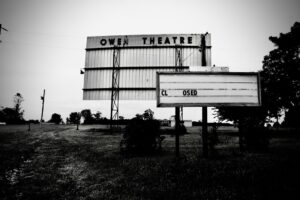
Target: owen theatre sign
pixel 144 41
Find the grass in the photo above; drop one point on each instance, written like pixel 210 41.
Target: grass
pixel 58 162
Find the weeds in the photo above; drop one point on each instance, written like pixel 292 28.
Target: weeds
pixel 87 165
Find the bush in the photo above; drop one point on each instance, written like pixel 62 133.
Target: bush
pixel 55 118
pixel 182 129
pixel 141 136
pixel 256 138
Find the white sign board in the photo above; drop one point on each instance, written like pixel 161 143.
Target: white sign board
pixel 212 89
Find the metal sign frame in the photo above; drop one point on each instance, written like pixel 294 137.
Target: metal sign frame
pixel 208 104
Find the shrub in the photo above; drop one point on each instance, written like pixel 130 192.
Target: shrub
pixel 141 136
pixel 255 138
pixel 182 129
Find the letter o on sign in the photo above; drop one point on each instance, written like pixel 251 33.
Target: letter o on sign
pixel 103 42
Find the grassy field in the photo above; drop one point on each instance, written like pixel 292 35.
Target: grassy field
pixel 59 162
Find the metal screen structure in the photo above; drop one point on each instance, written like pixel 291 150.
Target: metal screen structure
pixel 124 67
pixel 140 57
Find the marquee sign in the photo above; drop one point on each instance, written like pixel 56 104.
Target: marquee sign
pixel 144 41
pixel 212 89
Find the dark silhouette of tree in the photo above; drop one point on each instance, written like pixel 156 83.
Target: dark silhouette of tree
pixel 13 115
pixel 56 118
pixel 18 99
pixel 97 116
pixel 139 116
pixel 280 83
pixel 250 116
pixel 75 117
pixel 281 75
pixel 148 114
pixel 87 115
pixel 292 117
pixel 2 115
pixel 8 115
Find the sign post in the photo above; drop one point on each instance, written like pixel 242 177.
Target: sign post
pixel 204 108
pixel 204 132
pixel 177 129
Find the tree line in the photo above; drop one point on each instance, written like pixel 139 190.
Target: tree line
pixel 15 114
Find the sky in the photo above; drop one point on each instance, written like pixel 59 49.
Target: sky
pixel 44 47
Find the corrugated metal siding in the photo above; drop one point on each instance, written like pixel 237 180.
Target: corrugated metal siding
pixel 191 57
pixel 123 95
pixel 98 79
pixel 143 57
pixel 129 78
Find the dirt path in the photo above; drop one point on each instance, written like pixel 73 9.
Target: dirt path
pixel 56 160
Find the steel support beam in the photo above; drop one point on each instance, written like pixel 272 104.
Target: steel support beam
pixel 178 110
pixel 179 68
pixel 114 108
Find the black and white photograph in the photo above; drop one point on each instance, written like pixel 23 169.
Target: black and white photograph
pixel 149 99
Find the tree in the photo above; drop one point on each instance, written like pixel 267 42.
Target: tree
pixel 8 115
pixel 139 116
pixel 281 75
pixel 75 117
pixel 87 115
pixel 148 114
pixel 97 116
pixel 280 83
pixel 18 99
pixel 292 118
pixel 2 115
pixel 13 115
pixel 56 118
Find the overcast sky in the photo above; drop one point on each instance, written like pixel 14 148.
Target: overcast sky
pixel 44 47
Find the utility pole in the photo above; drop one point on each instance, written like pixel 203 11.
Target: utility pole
pixel 43 99
pixel 1 28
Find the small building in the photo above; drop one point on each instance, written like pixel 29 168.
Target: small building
pixel 186 123
pixel 165 122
